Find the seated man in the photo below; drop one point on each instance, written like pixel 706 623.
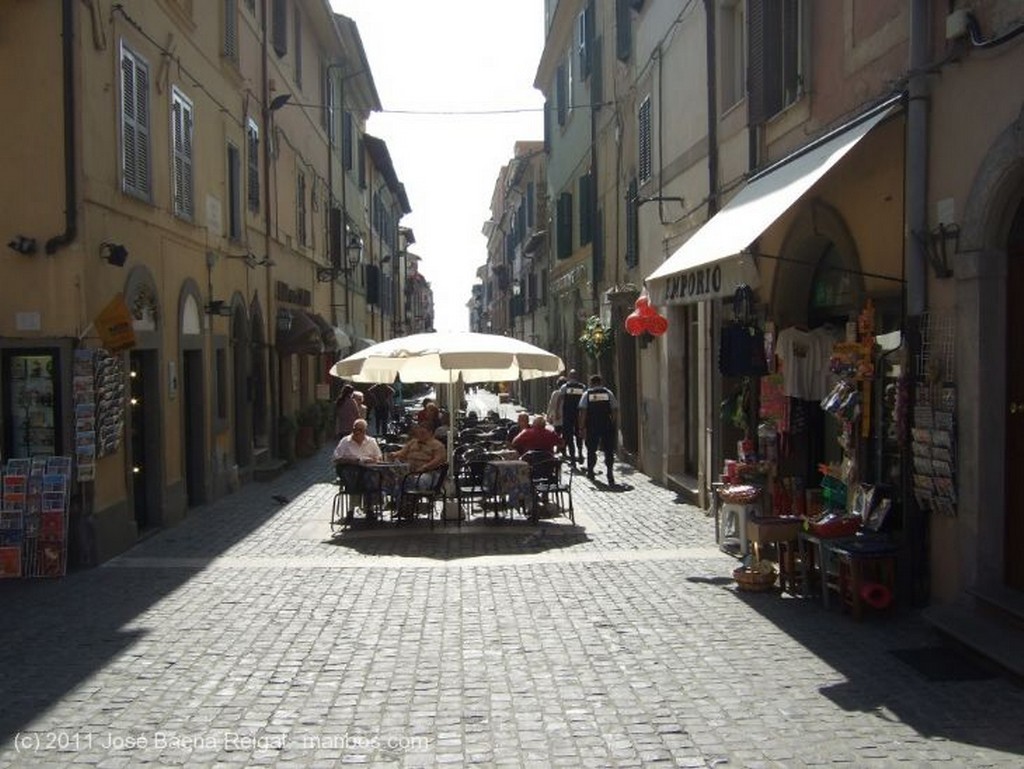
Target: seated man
pixel 537 437
pixel 522 423
pixel 351 458
pixel 424 454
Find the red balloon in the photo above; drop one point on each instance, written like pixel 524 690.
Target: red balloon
pixel 642 301
pixel 657 325
pixel 648 310
pixel 634 324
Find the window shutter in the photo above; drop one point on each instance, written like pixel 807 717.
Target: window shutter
pixel 234 193
pixel 300 209
pixel 253 166
pixel 334 234
pixel 632 232
pixel 755 63
pixel 298 47
pixel 135 125
pixel 280 31
pixel 564 233
pixel 586 209
pixel 598 247
pixel 181 121
pixel 531 205
pixel 346 140
pixel 597 78
pixel 361 162
pixel 623 30
pixel 372 284
pixel 561 88
pixel 644 130
pixel 231 29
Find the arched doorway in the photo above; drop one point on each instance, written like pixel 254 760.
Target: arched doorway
pixel 1013 554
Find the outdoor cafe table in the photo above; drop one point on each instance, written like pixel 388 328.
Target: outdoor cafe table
pixel 392 474
pixel 509 479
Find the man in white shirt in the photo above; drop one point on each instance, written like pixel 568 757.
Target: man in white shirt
pixel 351 458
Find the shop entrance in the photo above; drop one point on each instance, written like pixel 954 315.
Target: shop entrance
pixel 145 455
pixel 192 403
pixel 1013 549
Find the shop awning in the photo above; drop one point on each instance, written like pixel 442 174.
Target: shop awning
pixel 302 335
pixel 330 341
pixel 712 263
pixel 343 340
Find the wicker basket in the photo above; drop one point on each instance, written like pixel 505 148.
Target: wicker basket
pixel 754 581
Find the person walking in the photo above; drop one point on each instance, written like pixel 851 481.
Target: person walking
pixel 597 421
pixel 346 411
pixel 554 412
pixel 572 391
pixel 381 399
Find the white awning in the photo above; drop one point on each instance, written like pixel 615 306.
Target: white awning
pixel 711 264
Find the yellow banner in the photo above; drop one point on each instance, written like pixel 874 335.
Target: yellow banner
pixel 114 325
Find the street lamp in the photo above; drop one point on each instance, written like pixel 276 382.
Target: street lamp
pixel 348 261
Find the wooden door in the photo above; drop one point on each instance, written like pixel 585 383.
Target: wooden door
pixel 1014 543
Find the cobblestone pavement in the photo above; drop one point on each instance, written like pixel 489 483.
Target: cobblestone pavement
pixel 248 636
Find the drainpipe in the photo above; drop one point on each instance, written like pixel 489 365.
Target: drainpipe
pixel 917 160
pixel 70 192
pixel 274 361
pixel 915 582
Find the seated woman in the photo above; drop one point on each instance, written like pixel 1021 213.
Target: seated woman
pixel 424 454
pixel 351 458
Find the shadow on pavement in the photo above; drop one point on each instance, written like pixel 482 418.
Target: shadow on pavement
pixel 871 655
pixel 474 539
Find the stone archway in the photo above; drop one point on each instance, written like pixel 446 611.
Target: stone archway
pixel 981 274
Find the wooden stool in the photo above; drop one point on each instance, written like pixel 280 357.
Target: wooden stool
pixel 866 574
pixel 740 504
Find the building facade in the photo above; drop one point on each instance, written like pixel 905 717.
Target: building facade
pixel 168 199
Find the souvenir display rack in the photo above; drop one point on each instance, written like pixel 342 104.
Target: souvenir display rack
pixel 34 517
pixel 934 428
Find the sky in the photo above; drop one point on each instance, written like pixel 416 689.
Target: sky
pixel 455 57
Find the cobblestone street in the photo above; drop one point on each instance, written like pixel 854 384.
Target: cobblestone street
pixel 249 636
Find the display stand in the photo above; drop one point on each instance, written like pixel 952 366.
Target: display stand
pixel 34 517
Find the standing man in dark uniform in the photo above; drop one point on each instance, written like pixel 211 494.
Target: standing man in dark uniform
pixel 598 416
pixel 572 391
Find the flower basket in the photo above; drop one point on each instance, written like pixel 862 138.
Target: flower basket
pixel 754 580
pixel 596 338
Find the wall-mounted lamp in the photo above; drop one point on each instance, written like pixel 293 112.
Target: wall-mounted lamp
pixel 279 101
pixel 22 245
pixel 284 320
pixel 935 247
pixel 113 253
pixel 218 307
pixel 352 256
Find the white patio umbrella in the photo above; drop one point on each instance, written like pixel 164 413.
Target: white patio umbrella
pixel 445 358
pixel 449 358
